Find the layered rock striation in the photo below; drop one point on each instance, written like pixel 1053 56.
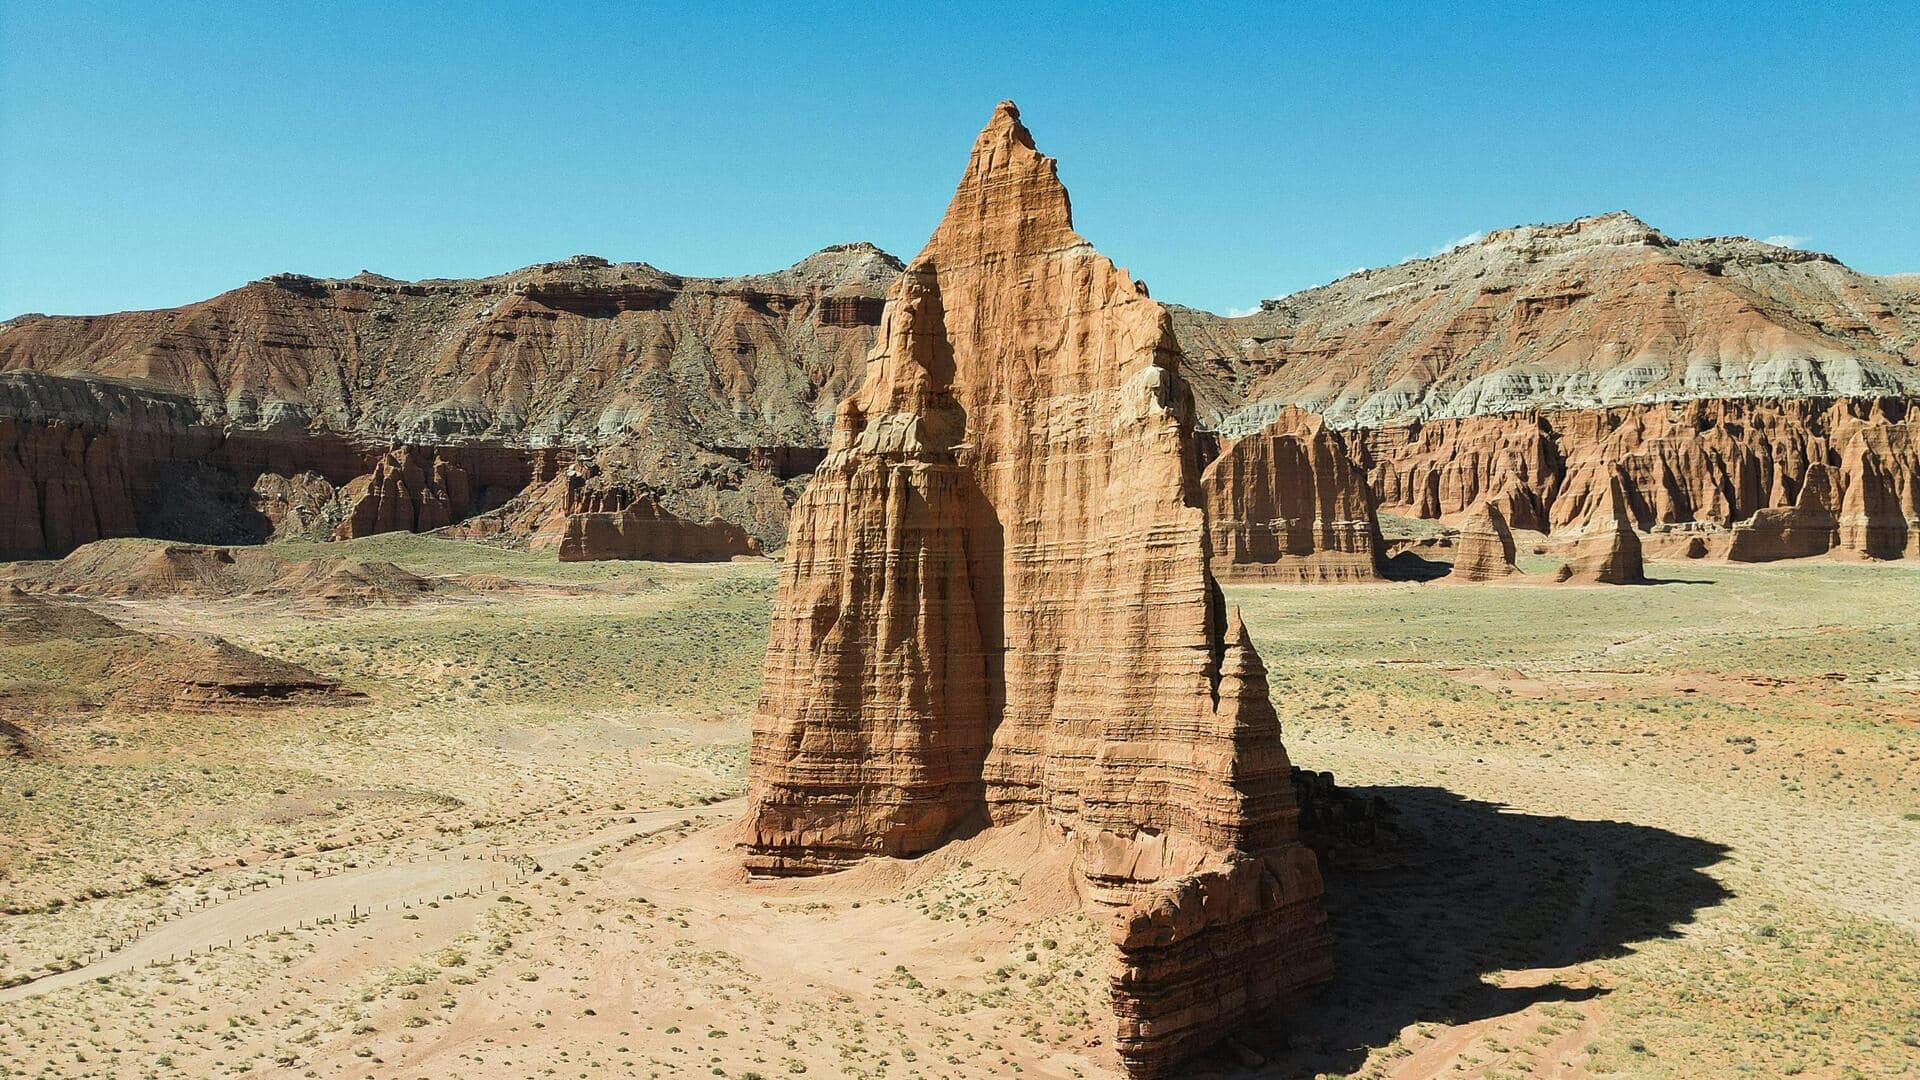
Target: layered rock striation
pixel 586 514
pixel 717 392
pixel 996 603
pixel 1485 549
pixel 1700 466
pixel 1810 526
pixel 1597 312
pixel 710 388
pixel 1291 503
pixel 1608 550
pixel 640 529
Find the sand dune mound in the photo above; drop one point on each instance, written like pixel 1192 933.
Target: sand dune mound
pixel 26 619
pixel 13 741
pixel 201 672
pixel 342 582
pixel 140 569
pixel 144 569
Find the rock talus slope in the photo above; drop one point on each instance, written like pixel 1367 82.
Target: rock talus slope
pixel 996 603
pixel 1291 503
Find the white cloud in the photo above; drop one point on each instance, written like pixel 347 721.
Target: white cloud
pixel 1238 312
pixel 1471 238
pixel 1786 240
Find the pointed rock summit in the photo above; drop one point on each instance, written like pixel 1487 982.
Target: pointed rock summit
pixel 996 604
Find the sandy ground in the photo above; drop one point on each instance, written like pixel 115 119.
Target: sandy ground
pixel 1667 831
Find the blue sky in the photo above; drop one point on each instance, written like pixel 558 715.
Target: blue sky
pixel 153 155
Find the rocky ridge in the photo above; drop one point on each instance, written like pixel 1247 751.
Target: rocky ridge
pixel 715 393
pixel 707 390
pixel 1597 312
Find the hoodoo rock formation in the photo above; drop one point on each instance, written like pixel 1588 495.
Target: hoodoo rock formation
pixel 996 603
pixel 1608 553
pixel 1485 550
pixel 1291 503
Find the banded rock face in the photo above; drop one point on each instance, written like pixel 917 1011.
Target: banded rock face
pixel 702 383
pixel 1485 550
pixel 1596 312
pixel 1291 503
pixel 996 603
pixel 1701 465
pixel 1609 551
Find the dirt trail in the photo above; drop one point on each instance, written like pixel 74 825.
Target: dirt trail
pixel 471 867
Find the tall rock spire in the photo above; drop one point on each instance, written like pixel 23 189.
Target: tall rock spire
pixel 996 603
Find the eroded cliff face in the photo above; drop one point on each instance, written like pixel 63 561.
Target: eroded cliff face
pixel 1291 503
pixel 713 391
pixel 996 603
pixel 84 460
pixel 1692 466
pixel 555 353
pixel 717 392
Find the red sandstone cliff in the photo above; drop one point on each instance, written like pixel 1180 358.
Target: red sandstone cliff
pixel 996 603
pixel 1291 503
pixel 1701 465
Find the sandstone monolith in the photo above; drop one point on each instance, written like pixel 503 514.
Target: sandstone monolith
pixel 1485 551
pixel 996 603
pixel 1609 552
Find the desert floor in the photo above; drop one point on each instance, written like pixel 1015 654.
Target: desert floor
pixel 1665 831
